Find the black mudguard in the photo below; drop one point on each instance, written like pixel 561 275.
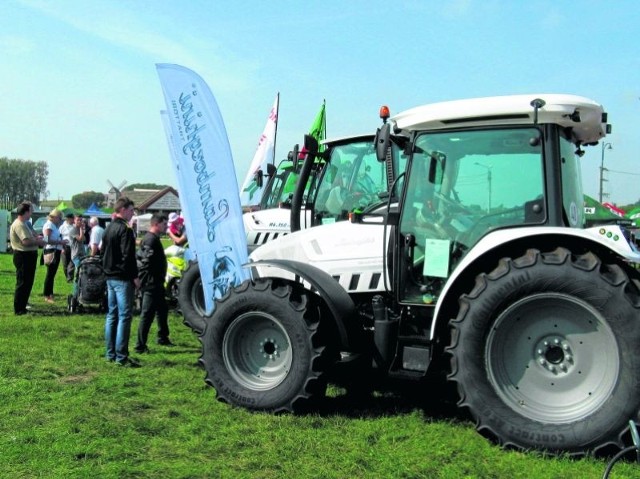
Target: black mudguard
pixel 336 298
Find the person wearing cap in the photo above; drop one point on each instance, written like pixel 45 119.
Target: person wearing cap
pixel 53 245
pixel 65 228
pixel 24 244
pixel 176 230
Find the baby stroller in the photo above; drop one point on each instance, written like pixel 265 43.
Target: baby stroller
pixel 91 286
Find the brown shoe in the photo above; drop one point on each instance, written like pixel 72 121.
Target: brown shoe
pixel 49 299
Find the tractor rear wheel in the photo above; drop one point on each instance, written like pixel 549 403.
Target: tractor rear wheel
pixel 545 352
pixel 191 298
pixel 263 348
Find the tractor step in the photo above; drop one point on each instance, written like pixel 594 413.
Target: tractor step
pixel 412 360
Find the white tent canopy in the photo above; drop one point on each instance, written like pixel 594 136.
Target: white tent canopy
pixel 143 223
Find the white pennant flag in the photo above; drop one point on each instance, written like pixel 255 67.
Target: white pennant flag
pixel 251 192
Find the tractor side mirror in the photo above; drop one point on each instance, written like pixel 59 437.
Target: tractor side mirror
pixel 294 156
pixel 258 177
pixel 311 144
pixel 382 141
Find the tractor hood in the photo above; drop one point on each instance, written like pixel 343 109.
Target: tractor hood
pixel 351 253
pixel 273 219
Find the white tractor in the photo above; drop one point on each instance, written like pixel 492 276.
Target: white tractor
pixel 483 261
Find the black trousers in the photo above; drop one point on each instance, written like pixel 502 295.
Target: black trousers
pixel 153 304
pixel 52 269
pixel 67 264
pixel 25 263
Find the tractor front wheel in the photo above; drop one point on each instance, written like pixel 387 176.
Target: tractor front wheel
pixel 263 348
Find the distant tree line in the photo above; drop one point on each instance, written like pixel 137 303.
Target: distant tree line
pixel 87 198
pixel 27 180
pixel 22 180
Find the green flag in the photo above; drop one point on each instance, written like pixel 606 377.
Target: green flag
pixel 594 212
pixel 319 127
pixel 634 216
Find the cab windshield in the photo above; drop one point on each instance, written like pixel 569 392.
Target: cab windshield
pixel 280 188
pixel 354 180
pixel 463 185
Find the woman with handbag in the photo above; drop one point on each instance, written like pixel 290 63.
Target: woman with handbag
pixel 51 252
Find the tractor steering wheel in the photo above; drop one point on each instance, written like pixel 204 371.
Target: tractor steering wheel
pixel 453 206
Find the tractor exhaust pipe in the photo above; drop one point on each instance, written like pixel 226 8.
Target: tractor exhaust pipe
pixel 384 334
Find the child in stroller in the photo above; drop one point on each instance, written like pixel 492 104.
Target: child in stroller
pixel 91 287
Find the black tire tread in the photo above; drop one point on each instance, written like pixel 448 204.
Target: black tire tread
pixel 303 305
pixel 625 289
pixel 190 315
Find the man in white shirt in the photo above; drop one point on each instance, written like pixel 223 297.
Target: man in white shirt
pixel 64 229
pixel 96 236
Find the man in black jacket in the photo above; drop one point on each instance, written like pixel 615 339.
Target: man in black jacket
pixel 121 271
pixel 152 265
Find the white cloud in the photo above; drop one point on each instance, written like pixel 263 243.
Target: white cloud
pixel 117 25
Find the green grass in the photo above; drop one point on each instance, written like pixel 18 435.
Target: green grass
pixel 67 413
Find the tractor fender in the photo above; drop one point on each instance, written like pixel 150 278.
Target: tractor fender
pixel 606 240
pixel 336 298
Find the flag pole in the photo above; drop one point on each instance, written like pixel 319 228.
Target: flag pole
pixel 324 119
pixel 275 135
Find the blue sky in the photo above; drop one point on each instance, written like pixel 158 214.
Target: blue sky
pixel 80 91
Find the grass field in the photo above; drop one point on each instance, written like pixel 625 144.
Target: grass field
pixel 67 413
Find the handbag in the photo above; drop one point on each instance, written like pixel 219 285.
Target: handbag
pixel 47 258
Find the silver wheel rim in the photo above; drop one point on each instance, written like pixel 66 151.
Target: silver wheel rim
pixel 552 358
pixel 256 351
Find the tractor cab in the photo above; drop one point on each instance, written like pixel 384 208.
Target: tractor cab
pixel 342 177
pixel 279 185
pixel 468 177
pixel 283 181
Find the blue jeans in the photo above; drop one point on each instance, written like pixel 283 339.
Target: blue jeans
pixel 117 326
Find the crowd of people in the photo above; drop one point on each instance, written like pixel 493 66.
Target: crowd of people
pixel 130 265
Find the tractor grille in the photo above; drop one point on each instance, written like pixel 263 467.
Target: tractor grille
pixel 260 238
